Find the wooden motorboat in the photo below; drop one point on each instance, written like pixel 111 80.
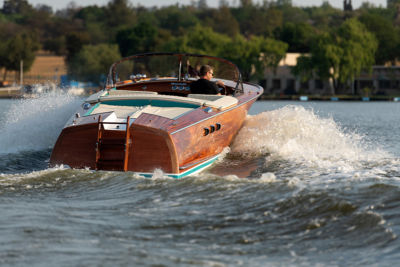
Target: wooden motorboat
pixel 146 117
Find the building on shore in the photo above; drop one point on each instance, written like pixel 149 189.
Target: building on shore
pixel 383 80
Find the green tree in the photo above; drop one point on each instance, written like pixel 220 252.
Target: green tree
pixel 93 22
pixel 21 47
pixel 325 17
pixel 198 40
pixel 253 55
pixel 75 42
pixel 119 13
pixel 298 36
pixel 340 55
pixel 139 39
pixel 176 19
pixel 393 3
pixel 16 7
pixel 290 13
pixel 92 62
pixel 256 20
pixel 222 21
pixel 387 35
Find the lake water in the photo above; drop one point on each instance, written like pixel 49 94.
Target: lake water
pixel 325 191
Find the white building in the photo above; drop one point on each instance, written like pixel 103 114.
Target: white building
pixel 382 80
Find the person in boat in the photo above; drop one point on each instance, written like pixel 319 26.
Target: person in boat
pixel 204 85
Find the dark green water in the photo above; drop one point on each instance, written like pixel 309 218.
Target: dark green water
pixel 326 191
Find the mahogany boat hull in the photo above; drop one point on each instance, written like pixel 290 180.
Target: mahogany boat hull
pixel 154 143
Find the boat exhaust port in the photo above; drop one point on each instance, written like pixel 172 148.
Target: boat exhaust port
pixel 212 129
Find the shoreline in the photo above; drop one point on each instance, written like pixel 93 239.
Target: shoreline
pixel 9 93
pixel 330 98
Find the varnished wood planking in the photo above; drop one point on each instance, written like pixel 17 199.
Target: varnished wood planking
pixel 151 148
pixel 193 145
pixel 76 147
pixel 153 121
pixel 112 145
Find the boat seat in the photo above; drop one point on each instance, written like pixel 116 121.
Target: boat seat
pixel 220 102
pixel 127 92
pixel 124 93
pixel 166 112
pixel 120 111
pixel 205 96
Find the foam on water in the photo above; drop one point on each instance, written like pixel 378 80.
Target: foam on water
pixel 297 134
pixel 34 124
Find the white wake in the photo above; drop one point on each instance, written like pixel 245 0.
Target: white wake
pixel 297 134
pixel 34 124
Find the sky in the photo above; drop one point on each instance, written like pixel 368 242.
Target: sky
pixel 60 4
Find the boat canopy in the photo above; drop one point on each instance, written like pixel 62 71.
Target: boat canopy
pixel 170 66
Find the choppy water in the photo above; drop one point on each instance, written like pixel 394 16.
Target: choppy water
pixel 324 189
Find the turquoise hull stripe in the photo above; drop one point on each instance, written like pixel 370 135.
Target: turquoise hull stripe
pixel 186 173
pixel 91 110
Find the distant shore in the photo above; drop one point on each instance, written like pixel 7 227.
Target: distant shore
pixel 14 92
pixel 330 98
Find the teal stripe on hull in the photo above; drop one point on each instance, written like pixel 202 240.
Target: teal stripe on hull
pixel 186 173
pixel 91 110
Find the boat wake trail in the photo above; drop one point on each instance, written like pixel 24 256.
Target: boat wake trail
pixel 34 124
pixel 295 137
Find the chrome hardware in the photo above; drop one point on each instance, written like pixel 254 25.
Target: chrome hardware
pixel 207 110
pixel 138 76
pixel 86 106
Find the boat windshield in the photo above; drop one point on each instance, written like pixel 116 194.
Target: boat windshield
pixel 158 66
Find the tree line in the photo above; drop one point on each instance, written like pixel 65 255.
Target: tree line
pixel 335 44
